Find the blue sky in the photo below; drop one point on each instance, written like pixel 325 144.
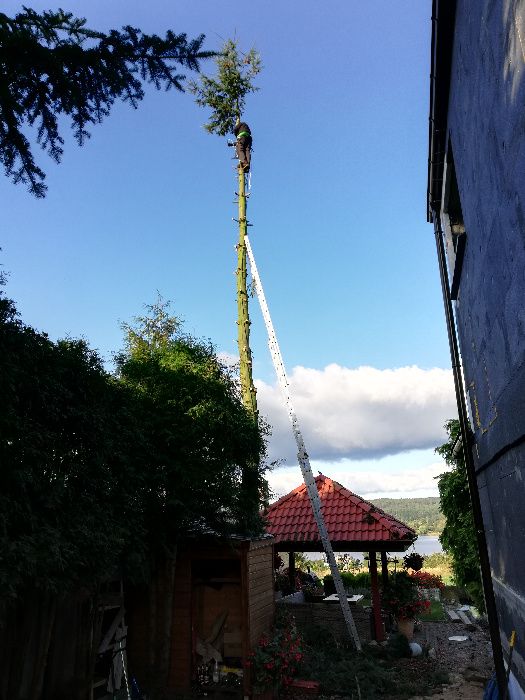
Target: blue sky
pixel 340 129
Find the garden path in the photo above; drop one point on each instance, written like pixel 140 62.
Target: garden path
pixel 468 663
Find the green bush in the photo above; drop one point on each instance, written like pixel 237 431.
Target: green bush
pixel 437 560
pixel 352 581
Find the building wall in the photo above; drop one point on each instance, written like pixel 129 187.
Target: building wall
pixel 486 123
pixel 330 617
pixel 260 589
pixel 211 578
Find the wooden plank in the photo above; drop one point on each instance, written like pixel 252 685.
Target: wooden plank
pixel 261 605
pixel 267 594
pixel 262 591
pixel 262 565
pixel 263 594
pixel 268 553
pixel 262 612
pixel 454 617
pixel 261 544
pixel 464 618
pixel 262 575
pixel 262 587
pixel 262 555
pixel 265 554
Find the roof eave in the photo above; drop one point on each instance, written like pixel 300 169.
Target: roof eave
pixel 443 20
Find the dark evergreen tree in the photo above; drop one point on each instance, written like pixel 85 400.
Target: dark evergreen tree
pixel 51 65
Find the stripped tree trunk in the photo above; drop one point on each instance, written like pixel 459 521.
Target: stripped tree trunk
pixel 250 474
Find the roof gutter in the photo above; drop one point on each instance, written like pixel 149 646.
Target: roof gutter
pixel 443 20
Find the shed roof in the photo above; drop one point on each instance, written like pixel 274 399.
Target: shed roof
pixel 353 524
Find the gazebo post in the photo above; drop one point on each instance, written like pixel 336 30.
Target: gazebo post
pixel 384 568
pixel 376 600
pixel 291 569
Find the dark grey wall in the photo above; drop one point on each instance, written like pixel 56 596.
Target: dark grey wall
pixel 487 131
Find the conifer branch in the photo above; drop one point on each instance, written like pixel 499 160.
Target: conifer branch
pixel 51 64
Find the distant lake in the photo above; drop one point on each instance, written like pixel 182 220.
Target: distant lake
pixel 425 544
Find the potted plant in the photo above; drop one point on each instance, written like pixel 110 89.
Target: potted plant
pixel 413 561
pixel 401 598
pixel 313 593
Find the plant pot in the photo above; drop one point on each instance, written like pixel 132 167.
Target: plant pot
pixel 405 626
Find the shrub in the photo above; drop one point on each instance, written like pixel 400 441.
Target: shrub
pixel 360 580
pixel 438 560
pixel 402 598
pixel 424 579
pixel 277 657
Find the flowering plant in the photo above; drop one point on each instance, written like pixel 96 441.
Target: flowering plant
pixel 425 579
pixel 402 598
pixel 276 659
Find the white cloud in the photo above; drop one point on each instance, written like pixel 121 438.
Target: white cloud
pixel 406 475
pixel 228 359
pixel 359 413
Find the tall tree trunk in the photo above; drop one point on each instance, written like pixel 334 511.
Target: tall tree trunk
pixel 243 319
pixel 250 476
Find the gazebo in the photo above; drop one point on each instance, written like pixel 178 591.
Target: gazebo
pixel 353 524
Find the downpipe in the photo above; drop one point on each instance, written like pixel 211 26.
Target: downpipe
pixel 486 578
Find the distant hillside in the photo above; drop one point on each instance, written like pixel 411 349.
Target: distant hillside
pixel 421 514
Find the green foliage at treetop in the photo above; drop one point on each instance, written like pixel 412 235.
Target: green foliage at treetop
pixel 226 93
pixel 421 514
pixel 103 473
pixel 201 435
pixel 51 64
pixel 459 535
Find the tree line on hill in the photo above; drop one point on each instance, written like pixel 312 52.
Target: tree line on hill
pixel 421 514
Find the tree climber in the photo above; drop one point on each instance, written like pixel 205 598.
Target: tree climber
pixel 243 144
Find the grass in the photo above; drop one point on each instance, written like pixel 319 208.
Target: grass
pixel 444 571
pixel 436 612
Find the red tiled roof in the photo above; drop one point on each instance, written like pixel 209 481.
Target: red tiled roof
pixel 348 518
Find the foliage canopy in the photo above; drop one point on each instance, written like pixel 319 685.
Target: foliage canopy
pixel 459 535
pixel 51 64
pixel 421 514
pixel 202 437
pixel 226 93
pixel 102 472
pixel 70 476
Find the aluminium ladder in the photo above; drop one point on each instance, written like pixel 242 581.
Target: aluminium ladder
pixel 302 455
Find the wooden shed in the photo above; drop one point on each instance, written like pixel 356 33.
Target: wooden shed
pixel 223 601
